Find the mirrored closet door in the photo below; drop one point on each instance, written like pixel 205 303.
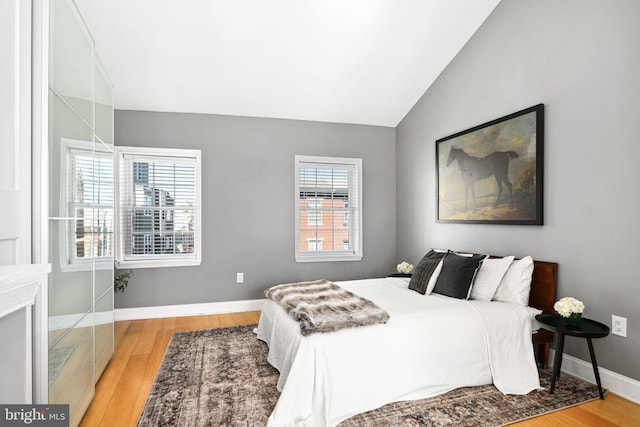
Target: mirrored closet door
pixel 80 154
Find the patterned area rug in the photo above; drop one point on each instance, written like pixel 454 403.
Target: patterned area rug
pixel 219 377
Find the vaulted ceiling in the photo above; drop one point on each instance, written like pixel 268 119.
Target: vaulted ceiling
pixel 344 61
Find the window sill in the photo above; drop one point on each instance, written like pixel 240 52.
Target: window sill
pixel 86 265
pixel 327 258
pixel 157 263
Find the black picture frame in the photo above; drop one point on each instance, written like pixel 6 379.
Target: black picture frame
pixel 493 173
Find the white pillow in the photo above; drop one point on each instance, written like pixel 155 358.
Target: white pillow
pixel 516 283
pixel 434 278
pixel 533 312
pixel 489 276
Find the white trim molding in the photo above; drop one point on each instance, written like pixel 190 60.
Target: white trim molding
pixel 619 384
pixel 39 17
pixel 158 312
pixel 19 286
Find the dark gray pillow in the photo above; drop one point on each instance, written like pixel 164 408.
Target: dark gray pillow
pixel 424 270
pixel 457 274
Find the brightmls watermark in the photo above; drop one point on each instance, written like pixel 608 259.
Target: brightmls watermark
pixel 34 415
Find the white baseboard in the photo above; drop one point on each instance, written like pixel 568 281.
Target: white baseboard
pixel 80 320
pixel 187 309
pixel 619 384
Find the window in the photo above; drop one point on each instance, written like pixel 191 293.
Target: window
pixel 328 194
pixel 346 214
pixel 314 214
pixel 314 245
pixel 158 207
pixel 87 186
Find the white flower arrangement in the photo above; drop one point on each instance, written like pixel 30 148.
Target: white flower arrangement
pixel 567 306
pixel 405 268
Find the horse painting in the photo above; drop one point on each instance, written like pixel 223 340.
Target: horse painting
pixel 474 169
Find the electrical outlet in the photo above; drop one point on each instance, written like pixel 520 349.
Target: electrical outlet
pixel 619 325
pixel 239 277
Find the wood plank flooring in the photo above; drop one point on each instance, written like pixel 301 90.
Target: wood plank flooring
pixel 122 389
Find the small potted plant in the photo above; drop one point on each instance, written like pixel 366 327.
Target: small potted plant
pixel 571 309
pixel 121 279
pixel 404 268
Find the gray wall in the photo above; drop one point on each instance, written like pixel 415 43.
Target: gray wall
pixel 248 202
pixel 581 59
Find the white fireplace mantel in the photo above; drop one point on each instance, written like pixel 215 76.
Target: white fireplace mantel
pixel 19 285
pixel 24 333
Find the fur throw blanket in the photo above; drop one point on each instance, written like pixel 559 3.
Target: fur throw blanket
pixel 322 306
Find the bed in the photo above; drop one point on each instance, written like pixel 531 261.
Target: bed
pixel 431 344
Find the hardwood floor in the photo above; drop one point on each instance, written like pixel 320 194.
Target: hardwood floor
pixel 122 389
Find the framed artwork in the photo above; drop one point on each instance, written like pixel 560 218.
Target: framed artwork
pixel 492 173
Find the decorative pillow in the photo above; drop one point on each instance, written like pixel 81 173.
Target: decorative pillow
pixel 424 270
pixel 489 276
pixel 457 275
pixel 516 283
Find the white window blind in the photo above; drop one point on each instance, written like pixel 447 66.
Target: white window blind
pixel 158 207
pixel 328 194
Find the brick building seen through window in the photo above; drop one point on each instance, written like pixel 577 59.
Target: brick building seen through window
pixel 324 223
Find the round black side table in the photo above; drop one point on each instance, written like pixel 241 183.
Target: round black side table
pixel 588 329
pixel 399 275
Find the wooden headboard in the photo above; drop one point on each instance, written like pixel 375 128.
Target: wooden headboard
pixel 543 296
pixel 543 285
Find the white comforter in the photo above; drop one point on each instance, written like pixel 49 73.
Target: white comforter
pixel 432 344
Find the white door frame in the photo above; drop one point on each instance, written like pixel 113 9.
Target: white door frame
pixel 40 194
